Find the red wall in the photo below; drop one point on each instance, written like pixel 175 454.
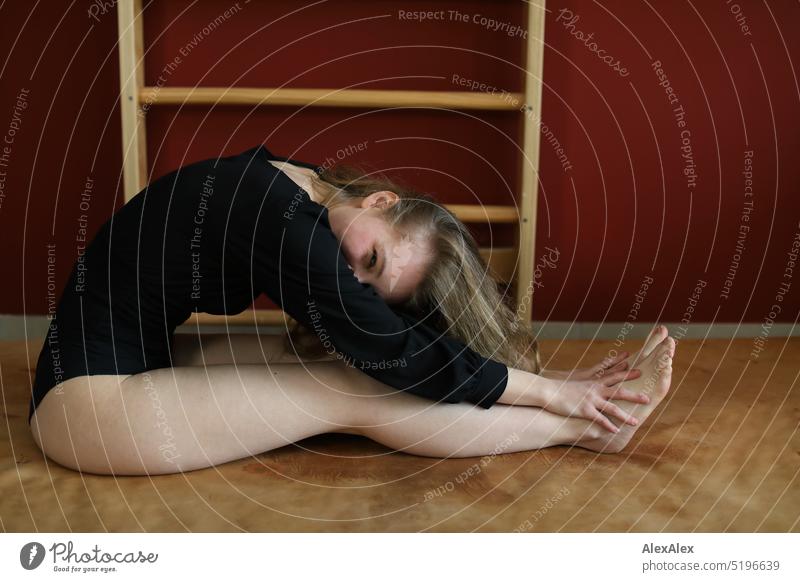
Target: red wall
pixel 616 206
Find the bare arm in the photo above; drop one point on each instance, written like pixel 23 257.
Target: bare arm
pixel 606 366
pixel 526 389
pixel 587 399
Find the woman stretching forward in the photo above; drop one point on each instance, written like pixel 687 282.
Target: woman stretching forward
pixel 386 283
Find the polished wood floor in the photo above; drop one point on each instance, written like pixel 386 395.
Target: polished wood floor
pixel 722 453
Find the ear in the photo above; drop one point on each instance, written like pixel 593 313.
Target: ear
pixel 382 199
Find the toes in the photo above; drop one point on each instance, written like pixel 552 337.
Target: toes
pixel 666 371
pixel 656 337
pixel 670 346
pixel 665 348
pixel 665 378
pixel 658 363
pixel 661 376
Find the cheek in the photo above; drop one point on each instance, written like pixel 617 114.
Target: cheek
pixel 410 279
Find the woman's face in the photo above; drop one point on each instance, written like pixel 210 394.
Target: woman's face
pixel 393 262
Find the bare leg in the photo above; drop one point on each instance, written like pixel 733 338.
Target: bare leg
pixel 190 417
pixel 655 382
pixel 181 419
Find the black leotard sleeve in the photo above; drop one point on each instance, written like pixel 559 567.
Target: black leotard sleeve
pixel 296 261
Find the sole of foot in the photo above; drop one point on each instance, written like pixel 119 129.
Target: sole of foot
pixel 655 382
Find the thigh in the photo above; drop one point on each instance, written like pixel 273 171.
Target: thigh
pixel 184 418
pixel 69 417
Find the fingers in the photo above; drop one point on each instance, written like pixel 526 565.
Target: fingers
pixel 617 412
pixel 609 363
pixel 625 394
pixel 620 357
pixel 603 420
pixel 620 366
pixel 617 377
pixel 616 368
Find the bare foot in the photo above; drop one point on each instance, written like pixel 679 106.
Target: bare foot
pixel 655 337
pixel 655 380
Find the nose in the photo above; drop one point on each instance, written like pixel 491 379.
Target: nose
pixel 355 273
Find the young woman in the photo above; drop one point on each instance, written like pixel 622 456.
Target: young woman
pixel 410 331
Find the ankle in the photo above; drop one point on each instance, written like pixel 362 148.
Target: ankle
pixel 587 431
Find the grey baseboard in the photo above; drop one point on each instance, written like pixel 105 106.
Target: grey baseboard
pixel 613 330
pixel 34 327
pixel 21 327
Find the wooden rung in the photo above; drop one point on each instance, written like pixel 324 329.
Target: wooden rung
pixel 328 97
pixel 248 317
pixel 501 261
pixel 484 213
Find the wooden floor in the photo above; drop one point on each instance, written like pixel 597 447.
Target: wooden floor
pixel 722 453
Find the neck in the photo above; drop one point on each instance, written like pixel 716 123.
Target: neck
pixel 323 193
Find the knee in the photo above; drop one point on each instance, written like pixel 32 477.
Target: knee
pixel 355 395
pixel 352 381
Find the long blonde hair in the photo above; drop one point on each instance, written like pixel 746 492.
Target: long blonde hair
pixel 458 293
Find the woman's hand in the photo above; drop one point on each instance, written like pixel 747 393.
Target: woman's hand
pixel 603 368
pixel 589 399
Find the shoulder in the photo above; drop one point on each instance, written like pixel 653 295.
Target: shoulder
pixel 305 226
pixel 307 242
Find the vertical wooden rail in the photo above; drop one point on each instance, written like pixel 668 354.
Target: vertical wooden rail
pixel 131 81
pixel 530 162
pixel 133 94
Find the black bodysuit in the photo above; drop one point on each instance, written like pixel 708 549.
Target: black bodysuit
pixel 211 237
